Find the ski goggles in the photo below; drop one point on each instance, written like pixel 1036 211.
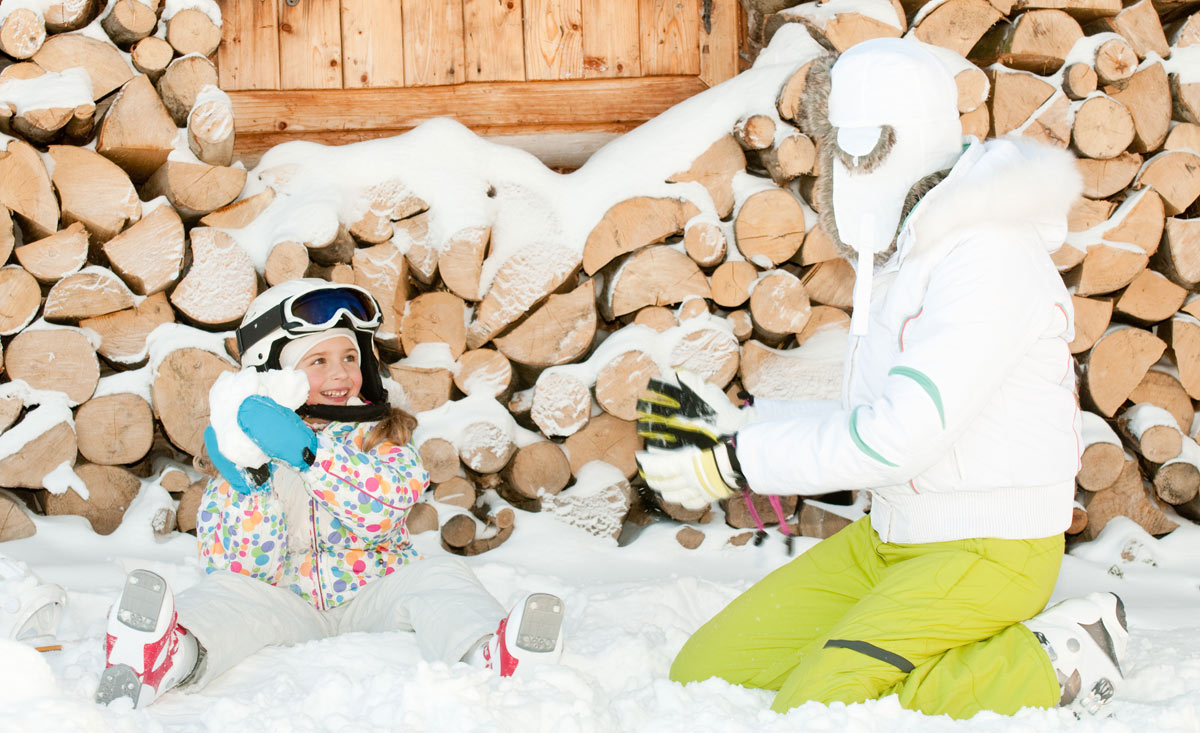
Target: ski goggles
pixel 314 311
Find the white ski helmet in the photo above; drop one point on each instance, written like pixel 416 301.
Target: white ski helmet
pixel 304 306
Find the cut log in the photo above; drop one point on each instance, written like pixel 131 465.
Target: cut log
pixel 621 381
pixel 22 33
pixel 94 291
pixel 633 224
pixel 1147 96
pixel 424 388
pixel 129 21
pixel 461 261
pixel 1079 80
pixel 1016 95
pixel 191 31
pixel 1175 175
pixel 1139 220
pixel 817 521
pixel 1178 256
pixel 847 28
pixel 1182 335
pixel 189 506
pixel 689 537
pixel 1177 482
pixel 151 56
pixel 486 371
pixel 381 270
pixel 43 450
pixel 523 281
pixel 179 395
pixel 794 156
pixel 195 189
pixel 754 132
pixel 817 247
pixel 1087 213
pixel 1051 124
pixel 742 325
pixel 1103 455
pixel 656 317
pixel 791 374
pixel 1185 96
pixel 1150 298
pixel 412 236
pixel 562 403
pixel 123 334
pixel 456 491
pixel 94 191
pixel 10 409
pixel 461 539
pixel 710 351
pixel 1036 41
pixel 435 317
pixel 114 429
pixel 388 201
pixel 823 317
pixel 25 189
pixel 705 243
pixel 769 227
pixel 52 258
pixel 8 235
pixel 1160 387
pixel 1078 520
pixel 210 127
pixel 104 64
pixel 957 24
pixel 70 15
pixel 1128 497
pixel 1139 24
pixel 1116 364
pixel 421 518
pixel 241 213
pixel 440 458
pixel 1102 178
pixel 1092 316
pixel 149 255
pixel 605 438
pixel 715 169
pixel 137 133
pixel 1115 61
pixel 110 489
pixel 15 522
pixel 657 275
pixel 1106 269
pixel 221 282
pixel 1184 32
pixel 1103 127
pixel 538 469
pixel 558 331
pixel 831 283
pixel 1081 10
pixel 486 447
pixel 21 296
pixel 731 283
pixel 779 305
pixel 1151 432
pixel 738 515
pixel 54 359
pixel 181 83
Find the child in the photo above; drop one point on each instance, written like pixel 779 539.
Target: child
pixel 313 542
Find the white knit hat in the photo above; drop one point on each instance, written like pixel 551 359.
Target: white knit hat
pixel 295 349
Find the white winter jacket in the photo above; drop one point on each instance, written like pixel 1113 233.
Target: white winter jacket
pixel 958 406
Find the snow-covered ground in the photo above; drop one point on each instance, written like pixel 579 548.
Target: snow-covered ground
pixel 629 611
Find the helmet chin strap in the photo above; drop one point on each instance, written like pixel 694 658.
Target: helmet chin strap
pixel 346 413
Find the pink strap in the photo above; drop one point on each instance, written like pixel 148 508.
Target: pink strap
pixel 778 507
pixel 753 512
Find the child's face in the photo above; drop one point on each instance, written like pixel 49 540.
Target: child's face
pixel 334 375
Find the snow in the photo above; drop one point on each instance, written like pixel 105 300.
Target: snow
pixel 51 90
pixel 629 610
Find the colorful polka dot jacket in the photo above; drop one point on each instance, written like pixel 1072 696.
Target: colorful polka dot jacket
pixel 343 529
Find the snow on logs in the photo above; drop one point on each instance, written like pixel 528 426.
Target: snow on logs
pixel 124 215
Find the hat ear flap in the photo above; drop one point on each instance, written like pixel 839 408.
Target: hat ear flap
pixel 814 102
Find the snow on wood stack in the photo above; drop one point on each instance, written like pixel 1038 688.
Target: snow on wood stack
pixel 525 309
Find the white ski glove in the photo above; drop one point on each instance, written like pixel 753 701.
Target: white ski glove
pixel 691 476
pixel 696 412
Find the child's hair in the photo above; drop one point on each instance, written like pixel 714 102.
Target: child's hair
pixel 396 428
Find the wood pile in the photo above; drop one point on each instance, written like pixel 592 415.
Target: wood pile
pixel 123 273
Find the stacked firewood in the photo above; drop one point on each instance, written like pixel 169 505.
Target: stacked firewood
pixel 127 268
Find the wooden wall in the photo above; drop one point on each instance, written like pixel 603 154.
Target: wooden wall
pixel 336 71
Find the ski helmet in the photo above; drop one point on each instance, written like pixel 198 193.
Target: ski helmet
pixel 305 306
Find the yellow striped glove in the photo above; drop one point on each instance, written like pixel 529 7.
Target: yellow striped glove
pixel 691 476
pixel 695 412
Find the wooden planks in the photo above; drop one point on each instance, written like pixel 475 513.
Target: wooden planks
pixel 610 39
pixel 248 57
pixel 372 44
pixel 553 39
pixel 670 32
pixel 494 40
pixel 310 45
pixel 719 43
pixel 433 42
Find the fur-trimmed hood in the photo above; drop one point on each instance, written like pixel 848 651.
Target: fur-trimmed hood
pixel 999 181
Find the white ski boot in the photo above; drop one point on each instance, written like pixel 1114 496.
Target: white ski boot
pixel 531 633
pixel 1085 639
pixel 147 651
pixel 30 610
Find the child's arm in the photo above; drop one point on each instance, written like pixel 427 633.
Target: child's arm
pixel 369 492
pixel 242 533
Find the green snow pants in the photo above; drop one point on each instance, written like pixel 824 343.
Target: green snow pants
pixel 855 618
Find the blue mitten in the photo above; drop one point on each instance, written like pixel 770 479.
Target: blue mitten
pixel 241 479
pixel 278 431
